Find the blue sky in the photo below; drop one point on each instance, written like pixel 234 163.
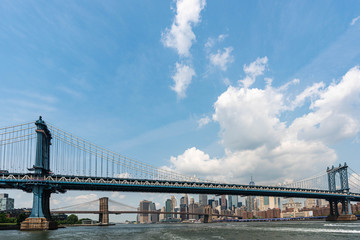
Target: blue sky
pixel 223 90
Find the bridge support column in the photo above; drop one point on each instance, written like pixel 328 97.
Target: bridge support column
pixel 40 218
pixel 104 211
pixel 346 211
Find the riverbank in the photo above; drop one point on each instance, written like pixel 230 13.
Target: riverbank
pixel 9 226
pixel 274 219
pixel 86 225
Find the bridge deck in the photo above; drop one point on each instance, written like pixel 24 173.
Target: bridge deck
pixel 63 183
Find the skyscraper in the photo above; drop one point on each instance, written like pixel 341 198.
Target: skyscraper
pixel 229 202
pixel 173 205
pixel 223 202
pixel 168 208
pixel 144 206
pixel 186 199
pixel 182 200
pixel 183 209
pixel 154 218
pixel 203 199
pixel 235 200
pixel 250 199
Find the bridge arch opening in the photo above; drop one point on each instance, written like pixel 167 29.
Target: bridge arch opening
pixel 338 185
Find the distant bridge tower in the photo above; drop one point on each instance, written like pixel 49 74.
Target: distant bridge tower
pixel 40 218
pixel 104 210
pixel 342 173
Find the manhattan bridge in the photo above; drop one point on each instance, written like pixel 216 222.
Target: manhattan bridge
pixel 39 158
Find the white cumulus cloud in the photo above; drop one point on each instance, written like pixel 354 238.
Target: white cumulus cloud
pixel 335 113
pixel 257 142
pixel 182 79
pixel 180 36
pixel 221 59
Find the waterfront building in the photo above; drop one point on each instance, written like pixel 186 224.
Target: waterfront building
pixel 266 202
pixel 310 203
pixel 6 203
pixel 296 213
pixel 291 205
pixel 322 203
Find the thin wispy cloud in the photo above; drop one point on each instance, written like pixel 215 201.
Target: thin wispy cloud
pixel 354 20
pixel 203 121
pixel 212 41
pixel 222 59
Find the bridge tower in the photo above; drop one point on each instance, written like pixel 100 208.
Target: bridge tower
pixel 207 214
pixel 104 210
pixel 40 218
pixel 342 173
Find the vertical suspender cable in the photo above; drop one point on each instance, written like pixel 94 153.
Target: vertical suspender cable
pixel 90 163
pixel 96 163
pixel 4 159
pixel 84 160
pixel 101 173
pixel 107 165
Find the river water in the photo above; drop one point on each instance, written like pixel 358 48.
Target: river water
pixel 253 230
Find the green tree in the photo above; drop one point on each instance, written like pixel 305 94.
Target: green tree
pixel 3 218
pixel 72 219
pixel 20 218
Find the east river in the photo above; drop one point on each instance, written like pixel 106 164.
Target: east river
pixel 254 230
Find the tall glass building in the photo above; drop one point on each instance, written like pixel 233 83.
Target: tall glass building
pixel 6 203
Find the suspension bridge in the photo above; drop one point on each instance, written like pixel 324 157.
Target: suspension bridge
pixel 104 210
pixel 41 159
